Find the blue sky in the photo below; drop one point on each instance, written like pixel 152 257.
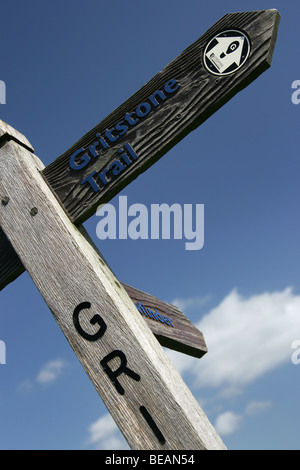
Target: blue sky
pixel 66 65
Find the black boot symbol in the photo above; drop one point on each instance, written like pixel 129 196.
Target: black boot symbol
pixel 231 48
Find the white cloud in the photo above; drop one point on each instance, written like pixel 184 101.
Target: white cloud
pixel 105 435
pixel 25 386
pixel 48 374
pixel 187 304
pixel 50 371
pixel 256 407
pixel 227 423
pixel 246 338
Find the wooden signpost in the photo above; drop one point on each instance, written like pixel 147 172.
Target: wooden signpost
pixel 42 208
pixel 168 324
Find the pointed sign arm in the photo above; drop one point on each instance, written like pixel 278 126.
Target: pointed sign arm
pixel 173 103
pixel 199 94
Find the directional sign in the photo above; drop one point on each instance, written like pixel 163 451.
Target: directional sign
pixel 170 327
pixel 155 118
pixel 126 364
pixel 173 103
pixel 145 395
pixel 227 52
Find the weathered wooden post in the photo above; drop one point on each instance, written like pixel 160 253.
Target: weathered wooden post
pixel 41 207
pixel 143 392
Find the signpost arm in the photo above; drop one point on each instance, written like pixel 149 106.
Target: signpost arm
pixel 145 395
pixel 193 95
pixel 177 333
pixel 140 387
pixel 172 104
pixel 181 335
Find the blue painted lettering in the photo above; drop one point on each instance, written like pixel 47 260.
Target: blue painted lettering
pixel 130 120
pixel 84 160
pixel 92 150
pixel 109 135
pixel 171 86
pixel 82 157
pixel 102 141
pixel 154 315
pixel 153 98
pixel 90 179
pixel 117 167
pixel 143 109
pixel 121 127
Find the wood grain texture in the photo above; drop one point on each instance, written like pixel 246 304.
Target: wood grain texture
pixel 183 336
pixel 200 94
pixel 11 266
pixel 159 389
pixel 71 277
pixel 7 132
